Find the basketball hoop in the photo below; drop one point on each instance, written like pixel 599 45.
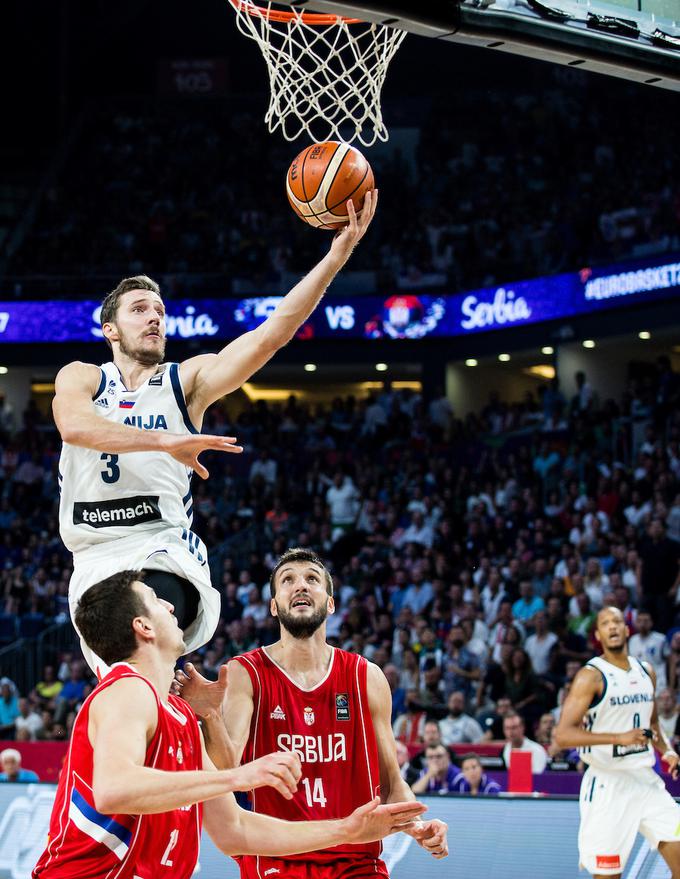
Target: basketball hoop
pixel 326 72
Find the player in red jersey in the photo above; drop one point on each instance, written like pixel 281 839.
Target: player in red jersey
pixel 136 769
pixel 330 707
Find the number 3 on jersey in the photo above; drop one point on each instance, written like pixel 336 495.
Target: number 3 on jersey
pixel 112 472
pixel 314 793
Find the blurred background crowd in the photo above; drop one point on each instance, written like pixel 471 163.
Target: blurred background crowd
pixel 469 556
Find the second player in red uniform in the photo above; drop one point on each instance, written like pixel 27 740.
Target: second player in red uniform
pixel 330 707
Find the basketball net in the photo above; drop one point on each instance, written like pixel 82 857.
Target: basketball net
pixel 326 73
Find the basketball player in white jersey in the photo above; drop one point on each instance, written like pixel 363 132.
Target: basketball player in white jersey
pixel 131 439
pixel 610 715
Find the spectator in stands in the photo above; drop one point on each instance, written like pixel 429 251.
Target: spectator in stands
pixel 342 498
pixel 72 693
pixel 473 780
pixel 28 724
pixel 513 730
pixel 544 729
pixel 431 736
pixel 439 774
pixel 491 720
pixel 10 763
pixel 527 605
pixel 409 727
pixel 540 644
pixel 650 646
pixel 669 716
pixel 522 686
pixel 659 558
pixel 9 708
pixel 457 726
pixel 673 661
pixel 462 667
pixel 391 672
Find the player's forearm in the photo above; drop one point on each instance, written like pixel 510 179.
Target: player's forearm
pixel 220 747
pixel 93 432
pixel 575 737
pixel 256 834
pixel 145 791
pixel 661 742
pixel 395 790
pixel 299 303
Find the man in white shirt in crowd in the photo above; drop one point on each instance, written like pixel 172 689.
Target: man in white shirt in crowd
pixel 492 595
pixel 649 646
pixel 29 723
pixel 264 466
pixel 513 730
pixel 540 644
pixel 342 498
pixel 457 726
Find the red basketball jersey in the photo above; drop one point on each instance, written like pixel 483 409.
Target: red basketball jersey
pixel 85 843
pixel 330 728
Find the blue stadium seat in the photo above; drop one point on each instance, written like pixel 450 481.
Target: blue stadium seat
pixel 9 630
pixel 31 625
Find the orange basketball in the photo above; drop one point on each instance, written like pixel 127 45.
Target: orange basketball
pixel 323 178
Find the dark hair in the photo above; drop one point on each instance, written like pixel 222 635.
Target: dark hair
pixel 298 554
pixel 104 616
pixel 111 301
pixel 470 756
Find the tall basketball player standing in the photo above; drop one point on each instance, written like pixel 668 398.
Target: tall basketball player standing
pixel 131 438
pixel 610 715
pixel 330 707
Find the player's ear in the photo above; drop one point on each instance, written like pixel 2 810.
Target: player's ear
pixel 597 636
pixel 142 627
pixel 110 332
pixel 330 605
pixel 272 607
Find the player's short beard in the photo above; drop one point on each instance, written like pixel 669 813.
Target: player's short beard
pixel 145 358
pixel 302 627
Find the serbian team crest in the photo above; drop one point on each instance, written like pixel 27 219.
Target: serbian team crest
pixel 406 317
pixel 309 716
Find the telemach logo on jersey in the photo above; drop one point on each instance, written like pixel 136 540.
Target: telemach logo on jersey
pixel 126 511
pixel 342 706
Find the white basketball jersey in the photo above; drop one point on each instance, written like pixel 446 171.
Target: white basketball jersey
pixel 107 496
pixel 627 701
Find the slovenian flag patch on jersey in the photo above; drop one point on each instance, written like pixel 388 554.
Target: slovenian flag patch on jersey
pixel 126 404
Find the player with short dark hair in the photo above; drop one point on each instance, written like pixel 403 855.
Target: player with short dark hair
pixel 131 438
pixel 331 707
pixel 610 715
pixel 128 802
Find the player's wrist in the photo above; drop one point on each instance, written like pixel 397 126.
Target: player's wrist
pixel 669 752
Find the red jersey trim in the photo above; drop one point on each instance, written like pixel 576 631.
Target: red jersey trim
pixel 294 682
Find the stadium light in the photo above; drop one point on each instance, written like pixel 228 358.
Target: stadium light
pixel 471 361
pixel 3 370
pixel 547 349
pixel 588 343
pixel 310 367
pixel 381 367
pixel 504 358
pixel 644 334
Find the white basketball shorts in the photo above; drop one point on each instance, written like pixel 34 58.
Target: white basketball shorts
pixel 174 550
pixel 614 807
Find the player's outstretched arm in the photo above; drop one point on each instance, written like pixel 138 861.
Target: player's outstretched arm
pixel 570 733
pixel 238 832
pixel 430 835
pixel 79 425
pixel 123 718
pixel 208 377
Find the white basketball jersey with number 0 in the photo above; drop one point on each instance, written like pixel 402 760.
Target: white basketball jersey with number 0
pixel 627 702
